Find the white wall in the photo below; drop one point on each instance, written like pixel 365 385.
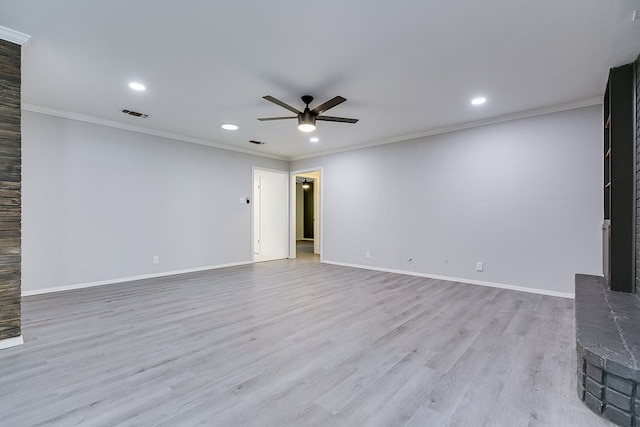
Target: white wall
pixel 99 203
pixel 523 196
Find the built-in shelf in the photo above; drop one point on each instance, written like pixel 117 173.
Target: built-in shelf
pixel 619 168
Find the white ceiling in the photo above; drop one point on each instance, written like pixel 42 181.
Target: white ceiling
pixel 407 68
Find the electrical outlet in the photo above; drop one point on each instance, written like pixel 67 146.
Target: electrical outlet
pixel 367 254
pixel 155 259
pixel 479 266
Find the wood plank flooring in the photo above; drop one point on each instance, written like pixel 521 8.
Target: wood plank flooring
pixel 293 342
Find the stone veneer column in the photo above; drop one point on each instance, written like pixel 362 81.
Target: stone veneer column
pixel 10 200
pixel 638 175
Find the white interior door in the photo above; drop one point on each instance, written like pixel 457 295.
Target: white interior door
pixel 271 208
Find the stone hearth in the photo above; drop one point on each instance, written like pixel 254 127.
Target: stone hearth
pixel 608 347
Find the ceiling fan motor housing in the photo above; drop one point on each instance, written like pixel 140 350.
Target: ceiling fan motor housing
pixel 307 117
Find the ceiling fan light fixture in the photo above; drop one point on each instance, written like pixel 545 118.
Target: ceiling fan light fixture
pixel 307 118
pixel 305 184
pixel 306 122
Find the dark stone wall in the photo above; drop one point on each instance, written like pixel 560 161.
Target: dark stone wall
pixel 637 175
pixel 10 186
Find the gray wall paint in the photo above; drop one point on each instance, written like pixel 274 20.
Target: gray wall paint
pixel 99 203
pixel 524 197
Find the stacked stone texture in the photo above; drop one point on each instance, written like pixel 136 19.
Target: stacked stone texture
pixel 637 174
pixel 10 200
pixel 608 347
pixel 609 395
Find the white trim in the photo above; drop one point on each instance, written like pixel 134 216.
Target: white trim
pixel 437 131
pixel 457 279
pixel 11 342
pixel 129 279
pixel 140 129
pixel 461 126
pixel 14 36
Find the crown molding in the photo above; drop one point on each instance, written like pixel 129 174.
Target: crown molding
pixel 401 138
pixel 588 102
pixel 14 36
pixel 140 129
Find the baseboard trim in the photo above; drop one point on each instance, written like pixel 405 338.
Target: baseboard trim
pixel 342 264
pixel 457 279
pixel 11 342
pixel 129 279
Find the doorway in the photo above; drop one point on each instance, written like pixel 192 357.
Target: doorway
pixel 270 219
pixel 306 211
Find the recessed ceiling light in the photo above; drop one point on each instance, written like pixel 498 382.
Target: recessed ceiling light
pixel 229 126
pixel 478 101
pixel 314 139
pixel 136 86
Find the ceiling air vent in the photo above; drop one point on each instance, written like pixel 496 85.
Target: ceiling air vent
pixel 135 114
pixel 253 141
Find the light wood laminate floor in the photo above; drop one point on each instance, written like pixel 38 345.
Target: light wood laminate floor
pixel 293 342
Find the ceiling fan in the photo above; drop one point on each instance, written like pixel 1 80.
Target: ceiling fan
pixel 307 118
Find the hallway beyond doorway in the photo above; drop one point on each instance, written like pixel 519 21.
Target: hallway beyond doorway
pixel 305 248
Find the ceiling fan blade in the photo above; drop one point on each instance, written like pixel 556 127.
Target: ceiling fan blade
pixel 329 104
pixel 282 104
pixel 336 119
pixel 264 119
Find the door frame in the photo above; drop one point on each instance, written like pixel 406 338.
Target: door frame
pixel 320 209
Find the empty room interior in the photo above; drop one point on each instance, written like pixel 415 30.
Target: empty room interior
pixel 319 214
